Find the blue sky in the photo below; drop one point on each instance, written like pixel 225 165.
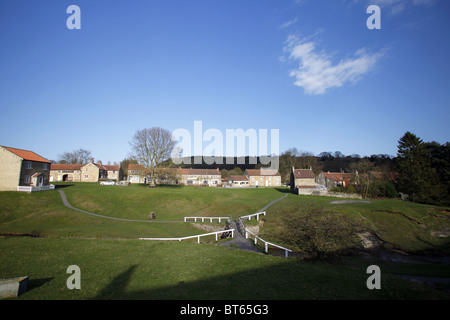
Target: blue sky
pixel 311 69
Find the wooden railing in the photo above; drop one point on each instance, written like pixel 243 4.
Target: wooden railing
pixel 242 226
pixel 198 236
pixel 266 243
pixel 249 216
pixel 208 218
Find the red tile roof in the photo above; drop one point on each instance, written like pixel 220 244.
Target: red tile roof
pixel 238 178
pixel 303 174
pixel 27 155
pixel 61 166
pixel 338 176
pixel 112 167
pixel 64 166
pixel 203 172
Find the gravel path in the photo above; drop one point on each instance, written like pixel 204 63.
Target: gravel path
pixel 239 240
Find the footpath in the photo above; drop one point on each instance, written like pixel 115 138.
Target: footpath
pixel 239 240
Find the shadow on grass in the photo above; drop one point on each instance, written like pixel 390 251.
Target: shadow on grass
pixel 36 283
pixel 283 189
pixel 62 186
pixel 291 279
pixel 115 289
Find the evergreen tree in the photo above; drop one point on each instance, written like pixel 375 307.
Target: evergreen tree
pixel 416 176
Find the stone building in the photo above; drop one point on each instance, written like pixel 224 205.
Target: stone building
pixel 264 177
pixel 89 172
pixel 23 168
pixel 302 179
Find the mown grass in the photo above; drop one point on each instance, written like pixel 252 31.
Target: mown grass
pixel 132 269
pixel 169 203
pixel 406 226
pixel 43 214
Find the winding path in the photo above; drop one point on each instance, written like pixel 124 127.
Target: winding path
pixel 239 240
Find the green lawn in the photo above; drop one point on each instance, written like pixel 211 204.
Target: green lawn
pixel 133 269
pixel 115 265
pixel 407 226
pixel 169 203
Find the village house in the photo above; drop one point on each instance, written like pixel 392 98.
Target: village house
pixel 89 172
pixel 23 170
pixel 264 177
pixel 334 179
pixel 238 181
pixel 137 173
pixel 200 177
pixel 302 179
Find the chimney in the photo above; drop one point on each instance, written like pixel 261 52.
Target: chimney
pixel 99 162
pixel 92 160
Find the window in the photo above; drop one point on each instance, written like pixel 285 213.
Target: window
pixel 45 166
pixel 28 165
pixel 26 179
pixel 86 176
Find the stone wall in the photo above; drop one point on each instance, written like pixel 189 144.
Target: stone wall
pixel 10 167
pixel 325 192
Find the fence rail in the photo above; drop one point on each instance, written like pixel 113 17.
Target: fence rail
pixel 267 243
pixel 34 189
pixel 249 216
pixel 208 218
pixel 242 226
pixel 198 236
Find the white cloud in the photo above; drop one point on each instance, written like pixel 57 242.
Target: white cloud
pixel 288 23
pixel 399 6
pixel 316 73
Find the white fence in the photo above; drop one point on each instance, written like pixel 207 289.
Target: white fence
pixel 207 218
pixel 192 237
pixel 256 238
pixel 34 189
pixel 249 217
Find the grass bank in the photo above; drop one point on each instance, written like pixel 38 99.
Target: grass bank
pixel 133 269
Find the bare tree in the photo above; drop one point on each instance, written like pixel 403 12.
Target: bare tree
pixel 80 156
pixel 363 169
pixel 152 147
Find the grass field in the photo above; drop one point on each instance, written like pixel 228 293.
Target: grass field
pixel 114 265
pixel 407 226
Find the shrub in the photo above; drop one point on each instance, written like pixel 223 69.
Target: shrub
pixel 315 231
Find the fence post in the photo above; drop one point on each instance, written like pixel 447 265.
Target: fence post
pixel 267 249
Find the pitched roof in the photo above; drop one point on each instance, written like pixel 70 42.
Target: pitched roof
pixel 203 172
pixel 238 178
pixel 65 166
pixel 99 166
pixel 112 167
pixel 338 176
pixel 27 154
pixel 262 172
pixel 303 173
